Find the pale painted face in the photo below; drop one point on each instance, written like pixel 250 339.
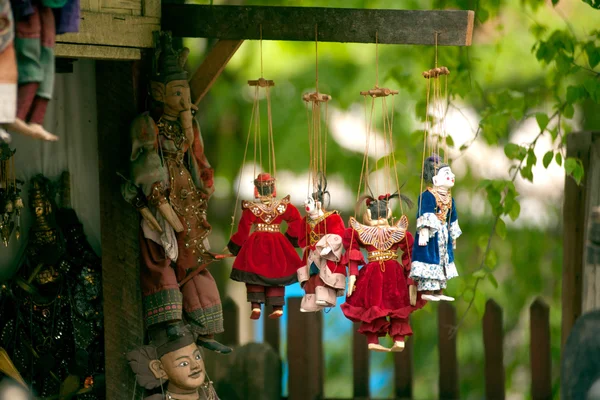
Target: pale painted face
pixel 310 205
pixel 444 178
pixel 184 368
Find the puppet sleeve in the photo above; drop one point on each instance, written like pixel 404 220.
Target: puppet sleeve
pixel 353 256
pixel 454 230
pixel 205 171
pixel 426 217
pixel 294 220
pixel 302 234
pixel 147 170
pixel 243 231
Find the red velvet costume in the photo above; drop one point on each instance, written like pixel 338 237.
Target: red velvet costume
pixel 267 261
pixel 322 277
pixel 382 284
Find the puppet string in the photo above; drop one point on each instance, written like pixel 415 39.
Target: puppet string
pixel 261 52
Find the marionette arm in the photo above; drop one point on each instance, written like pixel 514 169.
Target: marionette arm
pixel 239 238
pixel 294 220
pixel 406 246
pixel 206 171
pixel 331 244
pixel 353 257
pixel 427 222
pixel 454 229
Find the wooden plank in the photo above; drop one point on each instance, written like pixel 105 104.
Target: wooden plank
pixel 493 342
pixel 117 100
pixel 403 372
pixel 360 364
pixel 591 267
pixel 113 30
pixel 272 332
pixel 134 5
pixel 97 52
pixel 455 28
pixel 305 353
pixel 151 8
pixel 578 145
pixel 94 5
pixel 212 66
pixel 539 353
pixel 231 336
pixel 119 11
pixel 448 379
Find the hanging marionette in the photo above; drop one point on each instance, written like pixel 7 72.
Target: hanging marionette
pixel 380 295
pixel 437 231
pixel 171 183
pixel 172 363
pixel 437 220
pixel 322 274
pixel 265 260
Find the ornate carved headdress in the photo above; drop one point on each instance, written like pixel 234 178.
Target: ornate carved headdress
pixel 168 62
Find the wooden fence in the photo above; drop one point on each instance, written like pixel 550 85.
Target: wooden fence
pixel 233 374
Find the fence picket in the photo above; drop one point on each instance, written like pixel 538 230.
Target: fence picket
pixel 360 364
pixel 403 372
pixel 540 357
pixel 231 336
pixel 448 379
pixel 271 329
pixel 493 341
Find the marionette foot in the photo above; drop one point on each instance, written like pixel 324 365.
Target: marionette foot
pixel 36 131
pixel 430 297
pixel 213 345
pixel 398 346
pixel 276 314
pixel 255 313
pixel 377 347
pixel 442 297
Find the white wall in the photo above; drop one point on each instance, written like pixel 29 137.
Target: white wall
pixel 72 116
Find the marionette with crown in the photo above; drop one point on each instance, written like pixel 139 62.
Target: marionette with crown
pixel 380 296
pixel 322 274
pixel 266 261
pixel 437 231
pixel 170 184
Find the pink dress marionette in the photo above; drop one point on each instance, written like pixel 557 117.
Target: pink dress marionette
pixel 265 260
pixel 322 273
pixel 380 300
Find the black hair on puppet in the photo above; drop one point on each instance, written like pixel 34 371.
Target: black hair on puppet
pixel 431 167
pixel 322 191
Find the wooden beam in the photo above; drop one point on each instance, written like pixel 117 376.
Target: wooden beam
pixel 97 52
pixel 212 66
pixel 454 28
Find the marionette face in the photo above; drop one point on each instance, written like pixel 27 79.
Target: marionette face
pixel 174 95
pixel 183 368
pixel 444 178
pixel 312 206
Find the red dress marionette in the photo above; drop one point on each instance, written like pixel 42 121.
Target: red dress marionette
pixel 322 274
pixel 266 261
pixel 380 301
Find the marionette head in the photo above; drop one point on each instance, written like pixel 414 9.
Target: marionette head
pixel 379 210
pixel 264 186
pixel 438 173
pixel 315 203
pixel 172 356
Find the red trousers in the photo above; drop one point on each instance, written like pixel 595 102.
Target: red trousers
pixel 271 295
pixel 395 327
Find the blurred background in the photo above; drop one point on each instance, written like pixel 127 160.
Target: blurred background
pixel 500 66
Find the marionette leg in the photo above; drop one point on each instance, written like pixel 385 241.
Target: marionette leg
pixel 203 310
pixel 309 300
pixel 276 298
pixel 256 296
pixel 373 331
pixel 399 328
pixel 160 290
pixel 439 294
pixel 428 287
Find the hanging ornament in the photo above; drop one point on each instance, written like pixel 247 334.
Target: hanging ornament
pixel 437 220
pixel 322 274
pixel 380 296
pixel 266 260
pixel 11 203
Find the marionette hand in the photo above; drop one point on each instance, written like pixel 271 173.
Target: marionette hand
pixel 351 282
pixel 325 251
pixel 168 213
pixel 149 218
pixel 454 244
pixel 423 237
pixel 412 295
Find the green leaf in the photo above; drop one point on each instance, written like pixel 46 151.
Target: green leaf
pixel 515 211
pixel 527 173
pixel 500 229
pixel 482 242
pixel 479 302
pixel 491 260
pixel 468 295
pixel 558 158
pixel 576 93
pixel 578 172
pixel 568 111
pixel 592 86
pixel 531 157
pixel 449 141
pixel 548 158
pixel 512 150
pixel 480 273
pixel 542 120
pixel 493 280
pixel 593 54
pixel 570 165
pixel 593 3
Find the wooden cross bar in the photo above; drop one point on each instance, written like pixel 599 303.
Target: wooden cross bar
pixel 316 97
pixel 379 92
pixel 261 82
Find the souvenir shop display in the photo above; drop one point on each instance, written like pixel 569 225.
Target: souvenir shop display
pixel 171 184
pixel 11 203
pixel 51 313
pixel 172 366
pixel 266 260
pixel 380 295
pixel 437 219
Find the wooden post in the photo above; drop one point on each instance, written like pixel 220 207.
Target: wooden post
pixel 540 357
pixel 271 336
pixel 305 353
pixel 448 379
pixel 591 267
pixel 360 364
pixel 403 372
pixel 579 200
pixel 231 336
pixel 493 341
pixel 117 103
